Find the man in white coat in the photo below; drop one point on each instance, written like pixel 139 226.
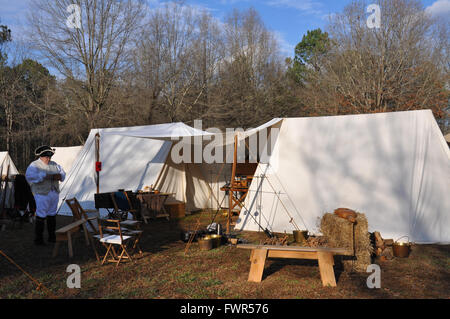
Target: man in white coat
pixel 44 176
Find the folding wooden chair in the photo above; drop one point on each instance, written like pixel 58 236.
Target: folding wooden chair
pixel 135 232
pixel 116 239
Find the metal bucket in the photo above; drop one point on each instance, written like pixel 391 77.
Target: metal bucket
pixel 216 240
pixel 401 250
pixel 300 236
pixel 205 243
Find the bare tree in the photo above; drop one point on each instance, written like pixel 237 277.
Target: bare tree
pixel 89 57
pixel 175 59
pixel 250 68
pixel 395 67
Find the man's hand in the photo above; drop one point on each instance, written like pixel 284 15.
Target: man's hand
pixel 54 177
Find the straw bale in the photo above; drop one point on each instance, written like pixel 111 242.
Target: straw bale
pixel 339 233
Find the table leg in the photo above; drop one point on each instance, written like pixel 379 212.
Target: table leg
pixel 257 265
pixel 326 262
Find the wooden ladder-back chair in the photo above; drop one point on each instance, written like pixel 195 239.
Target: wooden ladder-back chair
pixel 79 212
pixel 118 239
pixel 123 205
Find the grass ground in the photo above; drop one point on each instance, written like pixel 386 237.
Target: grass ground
pixel 164 271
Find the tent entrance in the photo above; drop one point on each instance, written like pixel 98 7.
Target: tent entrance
pixel 238 186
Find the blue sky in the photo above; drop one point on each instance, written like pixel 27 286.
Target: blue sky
pixel 288 19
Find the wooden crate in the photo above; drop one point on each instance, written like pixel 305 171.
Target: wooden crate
pixel 176 209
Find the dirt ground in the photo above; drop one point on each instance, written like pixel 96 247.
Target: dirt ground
pixel 166 272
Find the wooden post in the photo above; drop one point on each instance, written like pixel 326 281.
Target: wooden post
pixel 69 244
pixel 230 192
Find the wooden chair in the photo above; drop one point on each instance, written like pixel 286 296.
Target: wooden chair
pixel 116 239
pixel 123 205
pixel 79 212
pixel 136 232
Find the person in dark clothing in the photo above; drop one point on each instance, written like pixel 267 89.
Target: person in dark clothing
pixel 24 201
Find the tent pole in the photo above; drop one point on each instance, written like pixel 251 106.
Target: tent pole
pixel 97 158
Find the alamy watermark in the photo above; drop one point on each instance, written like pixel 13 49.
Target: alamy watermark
pixel 74 279
pixel 374 280
pixel 374 20
pixel 74 19
pixel 215 146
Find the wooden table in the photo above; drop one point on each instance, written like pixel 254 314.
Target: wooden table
pixel 152 204
pixel 325 257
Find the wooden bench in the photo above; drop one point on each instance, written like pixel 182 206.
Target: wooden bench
pixel 65 234
pixel 324 256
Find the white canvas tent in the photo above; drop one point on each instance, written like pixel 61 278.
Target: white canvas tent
pixel 135 157
pixel 393 167
pixel 5 162
pixel 65 156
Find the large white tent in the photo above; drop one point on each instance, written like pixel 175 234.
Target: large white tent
pixel 65 156
pixel 135 157
pixel 5 161
pixel 7 166
pixel 393 167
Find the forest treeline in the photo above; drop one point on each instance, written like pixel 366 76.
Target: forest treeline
pixel 127 64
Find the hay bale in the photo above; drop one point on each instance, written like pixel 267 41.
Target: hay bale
pixel 339 233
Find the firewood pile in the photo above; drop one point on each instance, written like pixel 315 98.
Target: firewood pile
pixel 277 241
pixel 315 242
pixel 382 247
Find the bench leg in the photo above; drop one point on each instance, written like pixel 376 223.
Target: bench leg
pixel 86 236
pixel 257 265
pixel 326 262
pixel 55 249
pixel 69 244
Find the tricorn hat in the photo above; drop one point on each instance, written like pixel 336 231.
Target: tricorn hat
pixel 44 151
